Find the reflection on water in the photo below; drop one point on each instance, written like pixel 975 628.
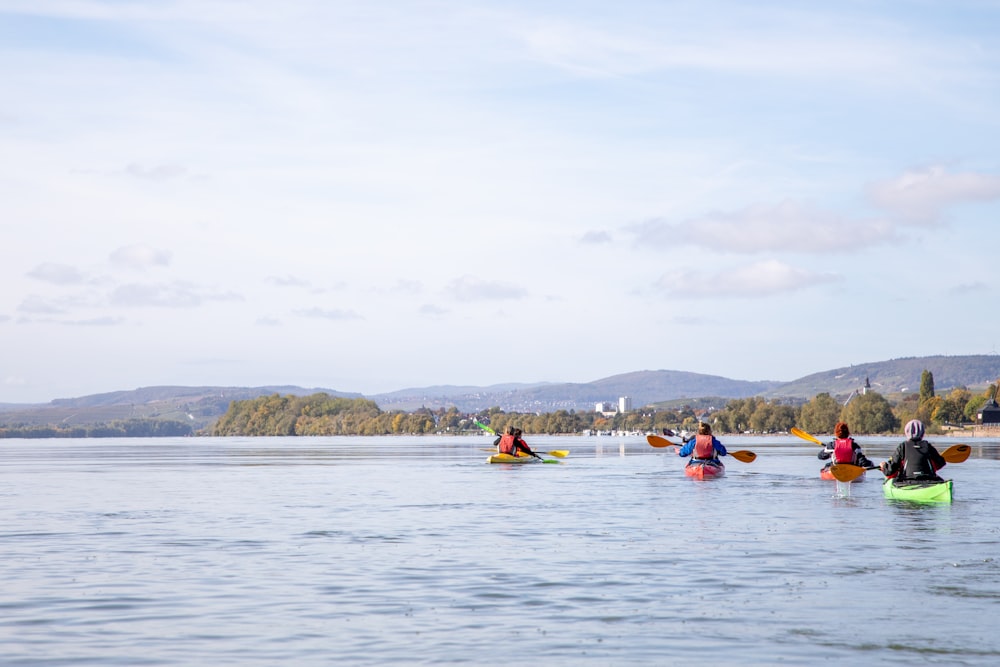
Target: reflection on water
pixel 374 551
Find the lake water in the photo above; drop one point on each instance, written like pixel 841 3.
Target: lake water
pixel 382 551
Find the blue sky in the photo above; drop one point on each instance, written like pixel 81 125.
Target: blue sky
pixel 371 196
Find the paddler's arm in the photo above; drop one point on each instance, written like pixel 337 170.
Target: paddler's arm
pixel 719 447
pixel 686 449
pixel 937 460
pixel 523 446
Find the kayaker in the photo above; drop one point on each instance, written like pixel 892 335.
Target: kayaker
pixel 521 445
pixel 844 449
pixel 512 443
pixel 703 446
pixel 915 459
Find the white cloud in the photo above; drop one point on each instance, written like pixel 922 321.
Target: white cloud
pixel 139 257
pixel 761 279
pixel 759 41
pixel 407 287
pixel 468 288
pixel 431 310
pixel 915 198
pixel 920 196
pixel 162 172
pixel 36 305
pixel 788 226
pixel 977 287
pixel 105 321
pixel 596 238
pixel 328 314
pixel 57 274
pixel 175 295
pixel 287 281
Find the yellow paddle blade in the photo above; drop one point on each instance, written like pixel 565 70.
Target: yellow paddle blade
pixel 956 453
pixel 657 441
pixel 559 453
pixel 743 455
pixel 805 436
pixel 845 472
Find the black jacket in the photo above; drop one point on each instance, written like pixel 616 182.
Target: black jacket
pixel 916 461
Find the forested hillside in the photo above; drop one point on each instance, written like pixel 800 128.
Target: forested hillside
pixel 197 408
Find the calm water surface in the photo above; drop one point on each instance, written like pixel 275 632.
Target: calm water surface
pixel 381 551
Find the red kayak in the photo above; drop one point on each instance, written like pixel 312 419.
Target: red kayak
pixel 825 473
pixel 704 469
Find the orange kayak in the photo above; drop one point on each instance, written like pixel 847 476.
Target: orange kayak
pixel 704 469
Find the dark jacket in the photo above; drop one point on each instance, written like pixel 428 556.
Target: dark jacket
pixel 915 461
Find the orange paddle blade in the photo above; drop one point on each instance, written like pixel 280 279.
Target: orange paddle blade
pixel 845 472
pixel 657 441
pixel 956 453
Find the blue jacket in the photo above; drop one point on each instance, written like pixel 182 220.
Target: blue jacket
pixel 688 447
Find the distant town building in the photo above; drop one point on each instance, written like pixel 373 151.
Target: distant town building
pixel 607 408
pixel 990 414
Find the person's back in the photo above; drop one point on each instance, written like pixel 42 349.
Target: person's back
pixel 844 449
pixel 507 443
pixel 703 446
pixel 915 459
pixel 520 445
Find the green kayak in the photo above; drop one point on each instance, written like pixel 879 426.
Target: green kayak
pixel 939 492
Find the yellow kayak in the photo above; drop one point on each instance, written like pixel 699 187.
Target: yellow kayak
pixel 510 458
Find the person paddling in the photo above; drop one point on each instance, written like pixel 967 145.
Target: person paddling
pixel 915 460
pixel 703 446
pixel 843 449
pixel 512 443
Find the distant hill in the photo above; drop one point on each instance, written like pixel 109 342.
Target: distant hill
pixel 201 406
pixel 895 376
pixel 448 395
pixel 642 387
pixel 197 406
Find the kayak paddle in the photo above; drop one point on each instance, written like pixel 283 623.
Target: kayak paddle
pixel 658 441
pixel 484 427
pixel 805 436
pixel 741 455
pixel 956 453
pixel 845 472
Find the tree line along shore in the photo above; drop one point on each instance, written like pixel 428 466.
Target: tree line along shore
pixel 324 415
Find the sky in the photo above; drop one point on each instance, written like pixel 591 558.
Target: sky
pixel 371 196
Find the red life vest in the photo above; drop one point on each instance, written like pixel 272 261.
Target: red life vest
pixel 843 450
pixel 703 447
pixel 506 445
